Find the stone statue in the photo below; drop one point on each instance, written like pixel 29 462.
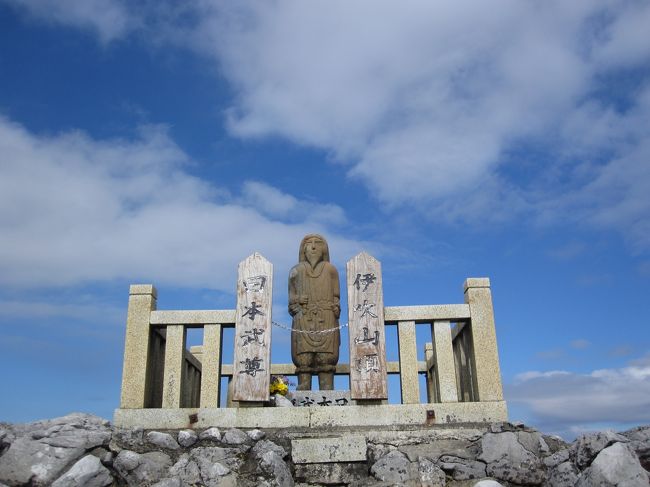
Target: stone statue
pixel 315 307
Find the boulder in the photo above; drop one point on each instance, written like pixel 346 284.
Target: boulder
pixel 563 475
pixel 272 464
pixel 142 469
pixel 586 447
pixel 392 467
pixel 462 468
pixel 87 472
pixel 508 460
pixel 430 474
pixel 614 466
pixel 162 440
pixel 235 436
pixel 211 434
pixel 187 438
pixel 186 469
pixel 256 434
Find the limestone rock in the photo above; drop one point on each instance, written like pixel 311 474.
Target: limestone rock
pixel 127 438
pixel 186 470
pixel 212 434
pixel 557 458
pixel 235 436
pixel 141 469
pixel 614 466
pixel 267 445
pixel 508 460
pixel 272 464
pixel 215 462
pixel 29 460
pixel 256 434
pixel 430 474
pixel 640 443
pixel 487 483
pixel 586 447
pixel 462 468
pixel 187 438
pixel 162 440
pixel 168 483
pixel 392 467
pixel 87 472
pixel 563 475
pixel 331 473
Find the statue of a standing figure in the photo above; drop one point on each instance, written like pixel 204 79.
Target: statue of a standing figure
pixel 314 304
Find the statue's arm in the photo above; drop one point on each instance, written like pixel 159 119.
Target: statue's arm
pixel 336 286
pixel 294 300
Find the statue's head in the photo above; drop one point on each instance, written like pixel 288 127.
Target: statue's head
pixel 314 249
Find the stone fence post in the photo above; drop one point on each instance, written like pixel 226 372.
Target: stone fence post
pixel 135 379
pixel 486 356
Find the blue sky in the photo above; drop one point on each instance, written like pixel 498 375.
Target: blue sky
pixel 163 142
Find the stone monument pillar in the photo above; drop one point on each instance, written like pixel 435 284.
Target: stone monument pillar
pixel 314 304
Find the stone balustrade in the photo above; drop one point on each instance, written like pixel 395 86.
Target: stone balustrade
pixel 461 363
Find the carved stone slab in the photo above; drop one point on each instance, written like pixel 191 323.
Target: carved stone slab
pixel 252 366
pixel 321 398
pixel 366 322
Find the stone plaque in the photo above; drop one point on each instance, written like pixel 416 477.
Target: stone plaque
pixel 252 366
pixel 348 448
pixel 321 398
pixel 368 378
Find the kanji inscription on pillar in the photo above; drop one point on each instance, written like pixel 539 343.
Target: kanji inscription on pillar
pixel 366 321
pixel 251 369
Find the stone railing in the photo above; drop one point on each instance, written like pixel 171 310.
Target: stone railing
pixel 461 363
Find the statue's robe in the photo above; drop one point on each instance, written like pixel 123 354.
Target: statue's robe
pixel 319 287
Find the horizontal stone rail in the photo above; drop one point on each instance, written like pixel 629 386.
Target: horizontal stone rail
pixel 160 373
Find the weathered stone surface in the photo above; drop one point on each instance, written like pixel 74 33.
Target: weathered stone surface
pixel 212 434
pixel 87 472
pixel 557 458
pixel 163 440
pixel 331 473
pixel 207 457
pixel 168 483
pixel 461 468
pixel 256 434
pixel 614 466
pixel 457 448
pixel 348 448
pixel 261 447
pixel 187 438
pixel 41 450
pixel 235 436
pixel 141 469
pixel 321 398
pixel 586 447
pixel 508 460
pixel 392 467
pixel 272 464
pixel 640 443
pixel 430 474
pixel 127 438
pixel 563 475
pixel 186 470
pixel 31 460
pixel 487 483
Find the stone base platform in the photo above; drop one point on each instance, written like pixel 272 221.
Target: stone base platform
pixel 392 416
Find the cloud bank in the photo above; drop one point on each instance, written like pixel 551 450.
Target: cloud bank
pixel 568 403
pixel 75 210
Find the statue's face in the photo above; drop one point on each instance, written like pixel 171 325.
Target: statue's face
pixel 314 250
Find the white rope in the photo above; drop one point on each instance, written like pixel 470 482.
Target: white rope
pixel 308 332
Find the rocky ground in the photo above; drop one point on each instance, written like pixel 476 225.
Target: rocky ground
pixel 84 450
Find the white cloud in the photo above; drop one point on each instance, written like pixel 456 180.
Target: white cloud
pixel 75 210
pixel 566 401
pixel 433 105
pixel 109 19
